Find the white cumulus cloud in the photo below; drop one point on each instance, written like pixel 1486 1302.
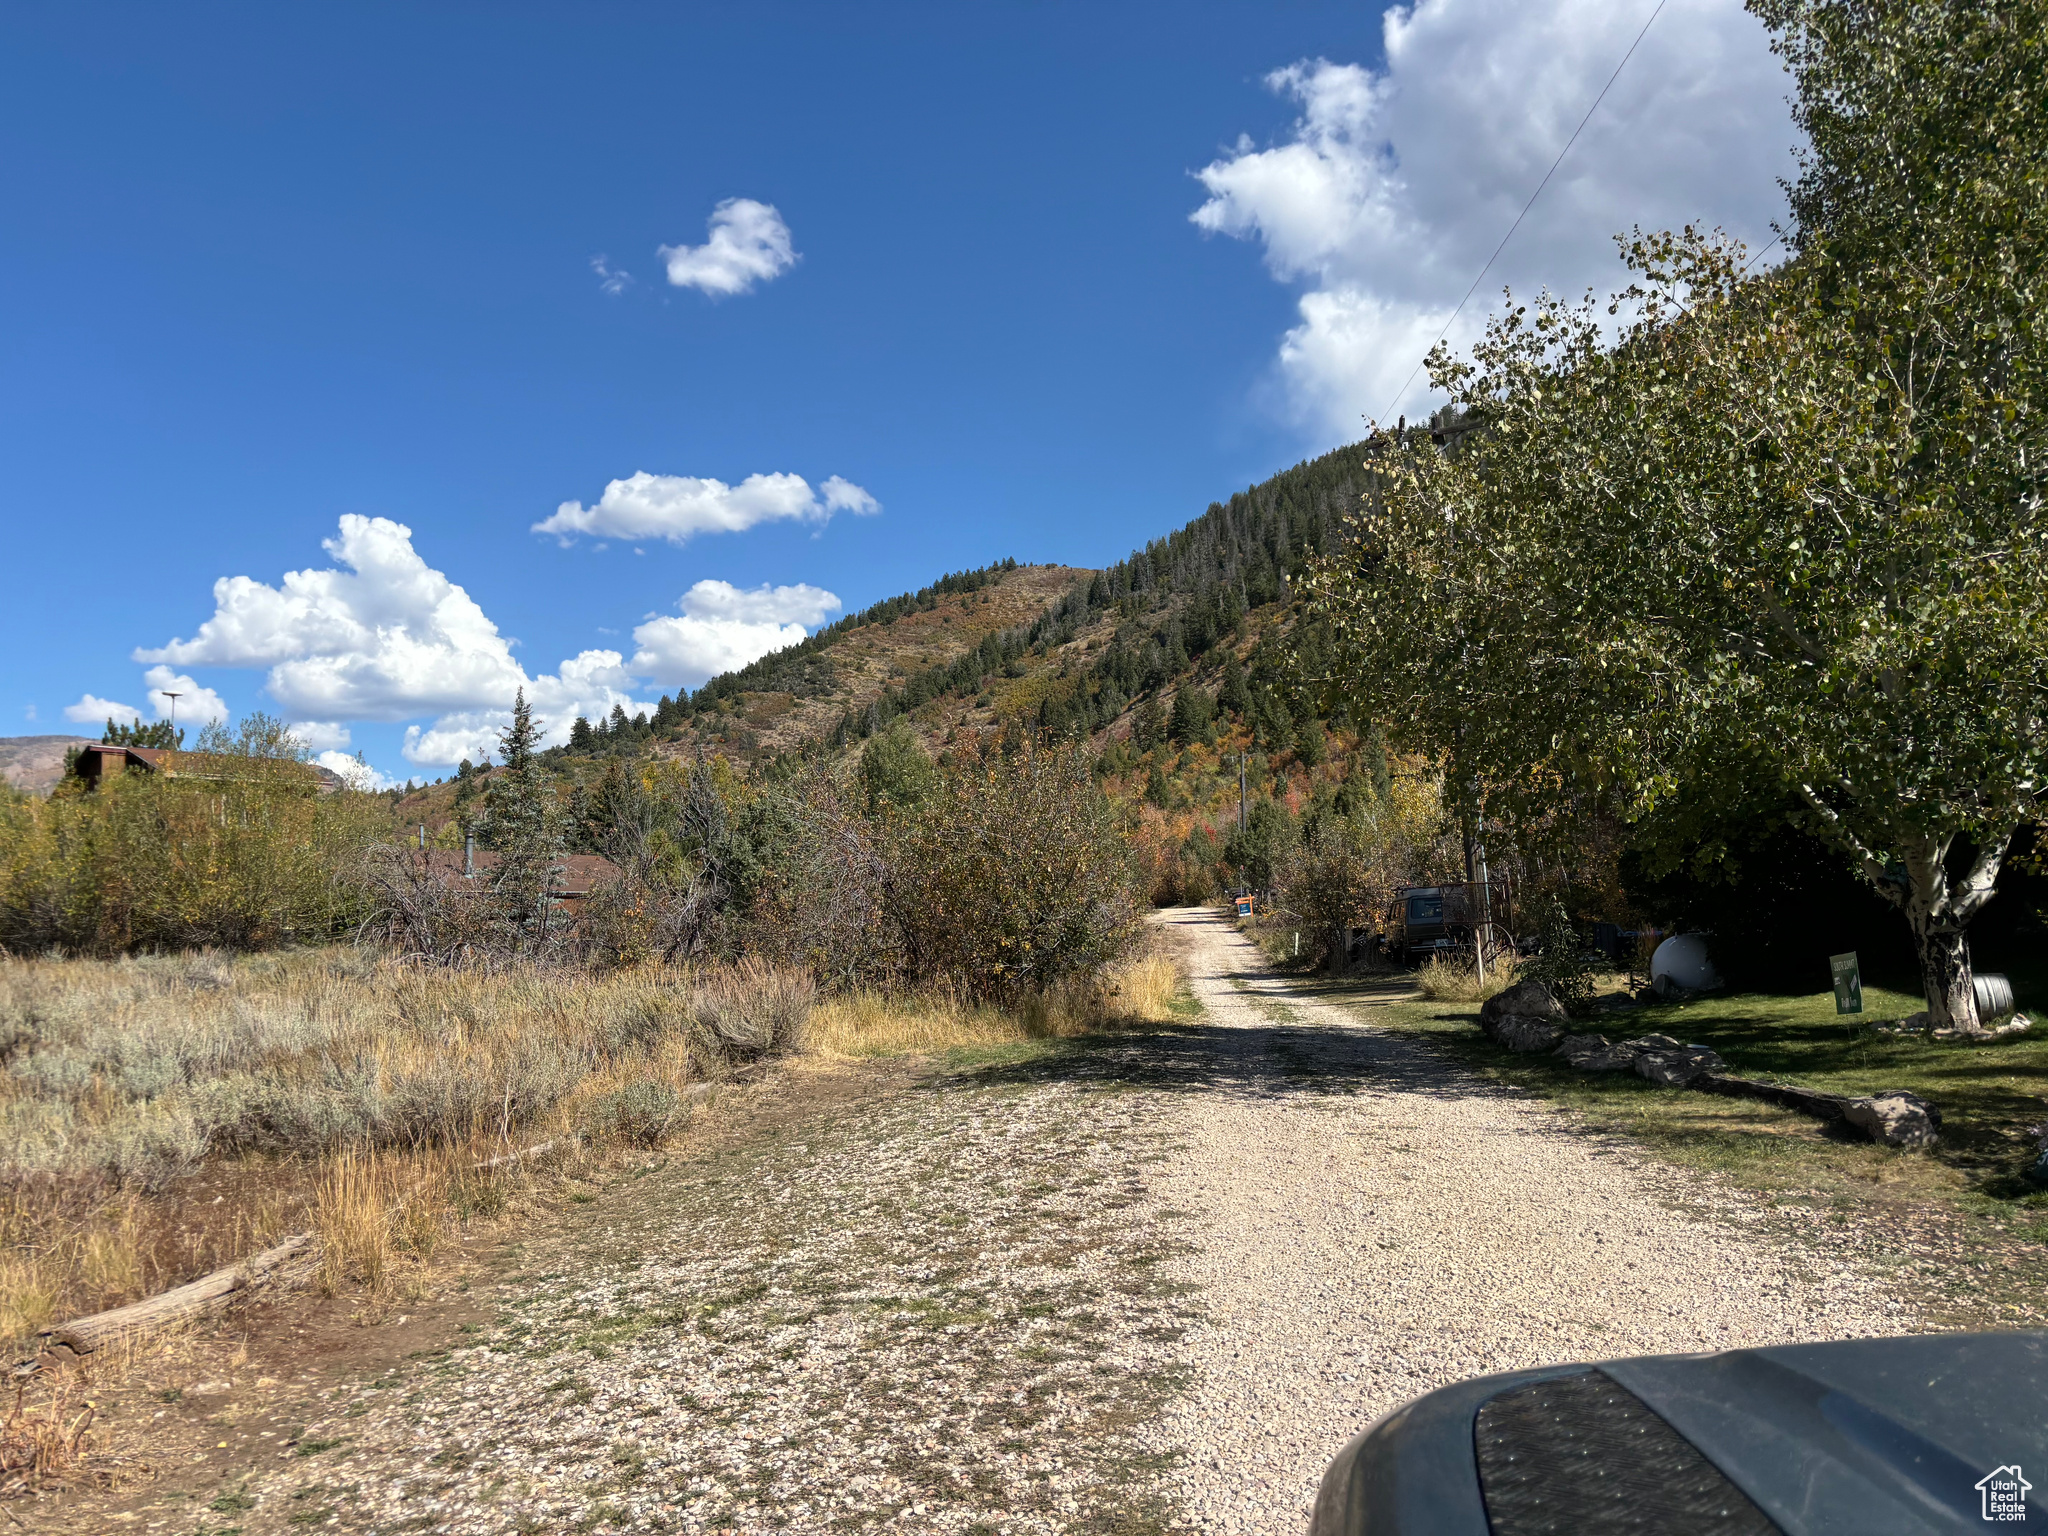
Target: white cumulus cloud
pixel 844 496
pixel 1394 185
pixel 91 709
pixel 321 735
pixel 749 244
pixel 722 627
pixel 353 771
pixel 676 507
pixel 195 706
pixel 384 636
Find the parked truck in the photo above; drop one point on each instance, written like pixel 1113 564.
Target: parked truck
pixel 1426 920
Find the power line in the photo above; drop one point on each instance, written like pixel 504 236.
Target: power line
pixel 1504 239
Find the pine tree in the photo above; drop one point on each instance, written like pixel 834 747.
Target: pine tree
pixel 579 736
pixel 1235 695
pixel 523 824
pixel 1190 715
pixel 894 770
pixel 1149 729
pixel 1309 742
pixel 157 734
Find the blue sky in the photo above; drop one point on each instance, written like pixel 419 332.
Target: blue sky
pixel 1037 280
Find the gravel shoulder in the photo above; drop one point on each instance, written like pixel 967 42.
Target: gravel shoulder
pixel 1132 1284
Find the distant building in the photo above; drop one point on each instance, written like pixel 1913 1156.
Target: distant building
pixel 98 760
pixel 576 874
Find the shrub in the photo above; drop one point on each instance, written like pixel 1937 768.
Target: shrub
pixel 1012 876
pixel 643 1113
pixel 1345 870
pixel 753 1009
pixel 1563 962
pixel 825 901
pixel 248 856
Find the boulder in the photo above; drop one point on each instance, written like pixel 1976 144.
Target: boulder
pixel 1526 1017
pixel 1520 1032
pixel 1592 1053
pixel 1675 1066
pixel 1895 1119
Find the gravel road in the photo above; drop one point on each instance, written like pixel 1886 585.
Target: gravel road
pixel 1141 1284
pixel 1373 1222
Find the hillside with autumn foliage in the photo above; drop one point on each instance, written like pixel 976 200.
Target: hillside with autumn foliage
pixel 1177 666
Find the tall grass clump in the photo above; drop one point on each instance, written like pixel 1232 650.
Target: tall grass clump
pixel 753 1009
pixel 1457 980
pixel 1142 988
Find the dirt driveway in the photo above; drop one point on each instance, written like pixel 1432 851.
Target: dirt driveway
pixel 1142 1284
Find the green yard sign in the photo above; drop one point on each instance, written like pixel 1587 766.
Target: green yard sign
pixel 1848 983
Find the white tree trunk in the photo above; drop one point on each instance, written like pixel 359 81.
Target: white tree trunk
pixel 1937 908
pixel 1939 911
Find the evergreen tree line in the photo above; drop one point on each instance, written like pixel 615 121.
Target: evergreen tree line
pixel 616 730
pixel 160 733
pixel 1247 550
pixel 1141 661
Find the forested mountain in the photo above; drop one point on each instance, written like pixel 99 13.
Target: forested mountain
pixel 1153 614
pixel 1179 663
pixel 997 645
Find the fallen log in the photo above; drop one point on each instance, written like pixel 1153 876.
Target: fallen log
pixel 88 1335
pixel 1807 1101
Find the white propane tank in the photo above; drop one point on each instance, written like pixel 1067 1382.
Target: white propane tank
pixel 1683 958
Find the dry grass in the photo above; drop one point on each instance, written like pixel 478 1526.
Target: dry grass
pixel 46 1435
pixel 1454 981
pixel 29 1288
pixel 161 1117
pixel 381 1216
pixel 1139 990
